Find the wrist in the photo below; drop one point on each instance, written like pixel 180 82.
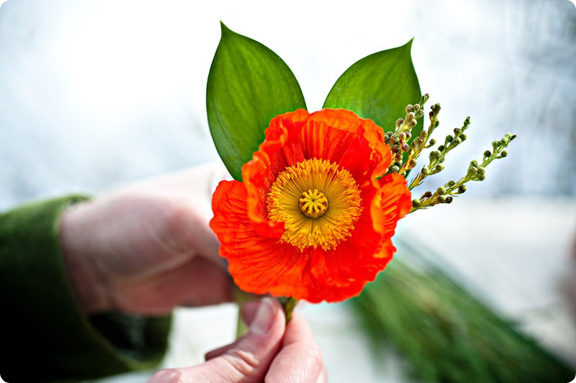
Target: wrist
pixel 81 267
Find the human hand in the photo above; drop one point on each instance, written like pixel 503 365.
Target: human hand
pixel 147 248
pixel 270 351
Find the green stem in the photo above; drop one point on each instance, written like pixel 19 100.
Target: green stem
pixel 242 297
pixel 288 304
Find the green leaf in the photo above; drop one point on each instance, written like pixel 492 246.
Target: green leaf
pixel 379 87
pixel 248 85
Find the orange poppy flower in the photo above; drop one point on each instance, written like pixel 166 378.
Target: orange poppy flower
pixel 311 219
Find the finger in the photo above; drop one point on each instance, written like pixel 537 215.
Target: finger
pixel 186 229
pixel 323 378
pixel 190 191
pixel 221 350
pixel 248 361
pixel 196 283
pixel 248 312
pixel 299 349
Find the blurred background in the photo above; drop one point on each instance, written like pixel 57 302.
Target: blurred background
pixel 98 94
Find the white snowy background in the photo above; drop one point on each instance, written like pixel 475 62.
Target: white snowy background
pixel 97 94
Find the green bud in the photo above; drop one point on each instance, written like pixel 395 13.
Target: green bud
pixel 420 114
pixel 442 199
pixel 412 164
pixel 424 99
pixel 504 141
pixel 416 107
pixel 495 144
pixel 463 137
pixel 394 169
pixel 458 141
pixel 487 153
pixel 457 131
pixel 449 138
pixel 410 109
pixel 432 142
pixel 481 171
pixel 423 134
pixel 399 122
pixel 425 170
pixel 512 137
pixel 450 184
pixel 441 190
pixel 441 148
pixel 416 203
pixel 434 155
pixel 503 154
pixel 462 189
pixel 438 168
pixel 413 122
pixel 449 199
pixel 473 163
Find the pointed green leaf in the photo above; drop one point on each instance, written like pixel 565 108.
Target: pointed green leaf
pixel 248 85
pixel 378 87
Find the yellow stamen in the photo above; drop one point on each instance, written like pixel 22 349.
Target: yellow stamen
pixel 313 203
pixel 318 203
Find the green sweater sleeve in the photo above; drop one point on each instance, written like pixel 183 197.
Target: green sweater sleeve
pixel 43 334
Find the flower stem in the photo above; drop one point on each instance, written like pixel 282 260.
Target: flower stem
pixel 241 297
pixel 288 304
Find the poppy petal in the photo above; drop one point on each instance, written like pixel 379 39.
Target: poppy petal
pixel 279 149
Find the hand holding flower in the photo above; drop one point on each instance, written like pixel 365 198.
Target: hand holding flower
pixel 147 248
pixel 270 351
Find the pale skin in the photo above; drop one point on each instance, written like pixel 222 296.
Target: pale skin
pixel 147 248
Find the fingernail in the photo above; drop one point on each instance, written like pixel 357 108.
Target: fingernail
pixel 264 316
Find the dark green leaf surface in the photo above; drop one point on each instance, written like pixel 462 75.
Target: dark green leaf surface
pixel 248 85
pixel 378 87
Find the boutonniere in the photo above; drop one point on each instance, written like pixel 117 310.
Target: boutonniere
pixel 316 196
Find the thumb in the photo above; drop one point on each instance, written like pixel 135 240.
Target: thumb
pixel 247 360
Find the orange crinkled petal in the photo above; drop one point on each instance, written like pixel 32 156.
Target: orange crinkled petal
pixel 264 265
pixel 394 202
pixel 276 153
pixel 258 264
pixel 340 136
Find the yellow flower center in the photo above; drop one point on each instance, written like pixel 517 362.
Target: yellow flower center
pixel 318 203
